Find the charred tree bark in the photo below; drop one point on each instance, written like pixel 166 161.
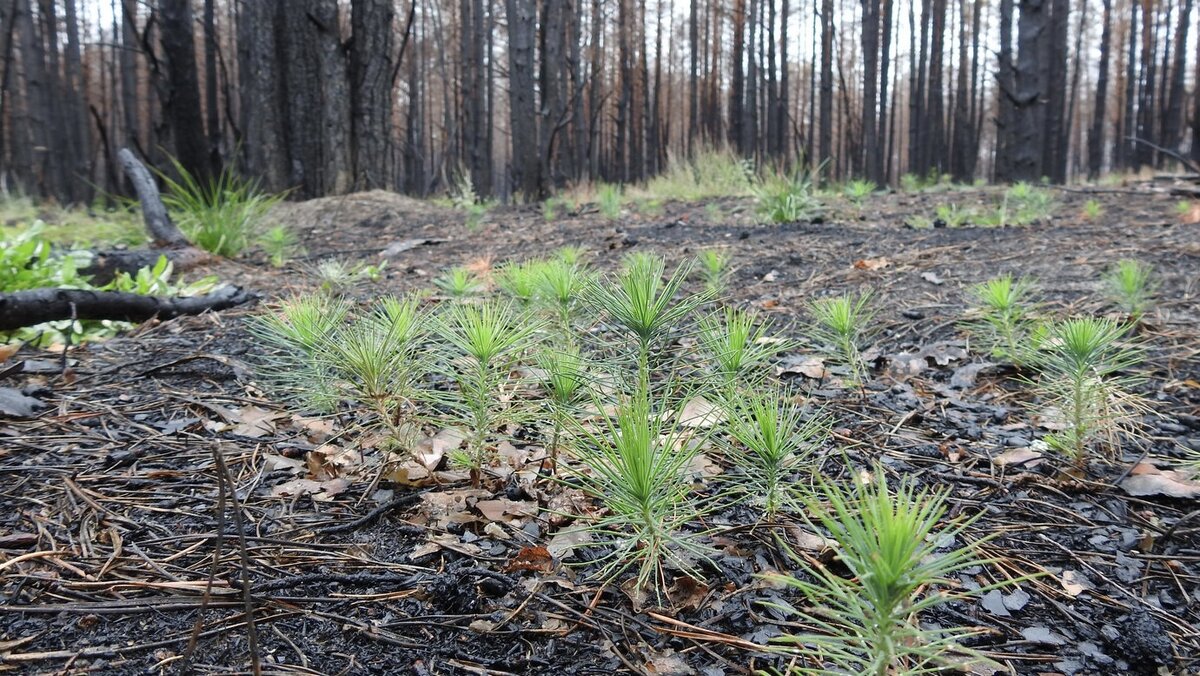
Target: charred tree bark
pixel 182 110
pixel 522 26
pixel 825 135
pixel 870 161
pixel 371 66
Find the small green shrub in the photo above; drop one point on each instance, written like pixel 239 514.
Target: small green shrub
pixel 223 214
pixel 1183 208
pixel 520 279
pixel 736 343
pixel 460 282
pixel 869 622
pixel 953 215
pixel 292 338
pixel 1092 210
pixel 1131 286
pixel 714 269
pixel 1023 204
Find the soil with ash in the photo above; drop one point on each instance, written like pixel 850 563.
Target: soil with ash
pixel 119 549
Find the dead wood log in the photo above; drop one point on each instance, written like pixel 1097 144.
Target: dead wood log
pixel 168 240
pixel 26 308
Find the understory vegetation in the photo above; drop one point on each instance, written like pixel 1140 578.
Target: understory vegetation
pixel 592 363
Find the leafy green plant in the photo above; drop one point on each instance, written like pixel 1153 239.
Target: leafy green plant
pixel 484 341
pixel 786 198
pixel 858 190
pixel 223 214
pixel 279 243
pixel 953 215
pixel 1005 316
pixel 841 325
pixel 1092 210
pixel 635 462
pixel 771 440
pixel 736 342
pixel 1023 204
pixel 1081 360
pixel 608 199
pixel 868 623
pixel 460 282
pixel 27 262
pixel 714 269
pixel 1131 286
pixel 292 337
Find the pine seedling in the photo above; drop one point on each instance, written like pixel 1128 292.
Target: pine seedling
pixel 1080 362
pixel 565 375
pixel 485 340
pixel 771 441
pixel 460 282
pixel 295 335
pixel 520 280
pixel 1131 286
pixel 737 342
pixel 560 285
pixel 868 623
pixel 636 463
pixel 714 270
pixel 1005 320
pixel 857 191
pixel 378 358
pixel 842 324
pixel 279 243
pixel 570 254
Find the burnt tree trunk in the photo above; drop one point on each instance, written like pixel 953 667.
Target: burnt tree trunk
pixel 1096 133
pixel 182 110
pixel 371 66
pixel 522 27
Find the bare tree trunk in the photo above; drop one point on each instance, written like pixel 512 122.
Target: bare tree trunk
pixel 1096 134
pixel 870 160
pixel 211 104
pixel 182 110
pixel 1028 135
pixel 1176 108
pixel 825 135
pixel 522 23
pixel 371 67
pixel 262 94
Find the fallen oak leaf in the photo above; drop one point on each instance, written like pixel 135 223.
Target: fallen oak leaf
pixel 1145 480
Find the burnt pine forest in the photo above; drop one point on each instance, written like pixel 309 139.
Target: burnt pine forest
pixel 326 97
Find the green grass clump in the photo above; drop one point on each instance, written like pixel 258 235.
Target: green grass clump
pixel 1131 287
pixel 1023 204
pixel 1081 363
pixel 868 622
pixel 858 190
pixel 737 344
pixel 707 174
pixel 841 324
pixel 771 440
pixel 786 198
pixel 94 227
pixel 1005 317
pixel 608 200
pixel 223 214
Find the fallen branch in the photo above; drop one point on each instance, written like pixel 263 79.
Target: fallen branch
pixel 26 308
pixel 166 237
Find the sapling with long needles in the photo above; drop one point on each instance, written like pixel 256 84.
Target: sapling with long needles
pixel 842 324
pixel 559 285
pixel 520 279
pixel 1131 285
pixel 737 342
pixel 714 270
pixel 636 462
pixel 485 340
pixel 868 623
pixel 377 357
pixel 1005 316
pixel 1081 362
pixel 295 334
pixel 565 375
pixel 770 440
pixel 460 282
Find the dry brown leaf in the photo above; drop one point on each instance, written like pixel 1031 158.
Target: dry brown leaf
pixel 1073 583
pixel 805 365
pixel 430 450
pixel 871 263
pixel 254 422
pixel 7 351
pixel 321 491
pixel 537 559
pixel 1018 456
pixel 1146 479
pixel 699 412
pixel 565 541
